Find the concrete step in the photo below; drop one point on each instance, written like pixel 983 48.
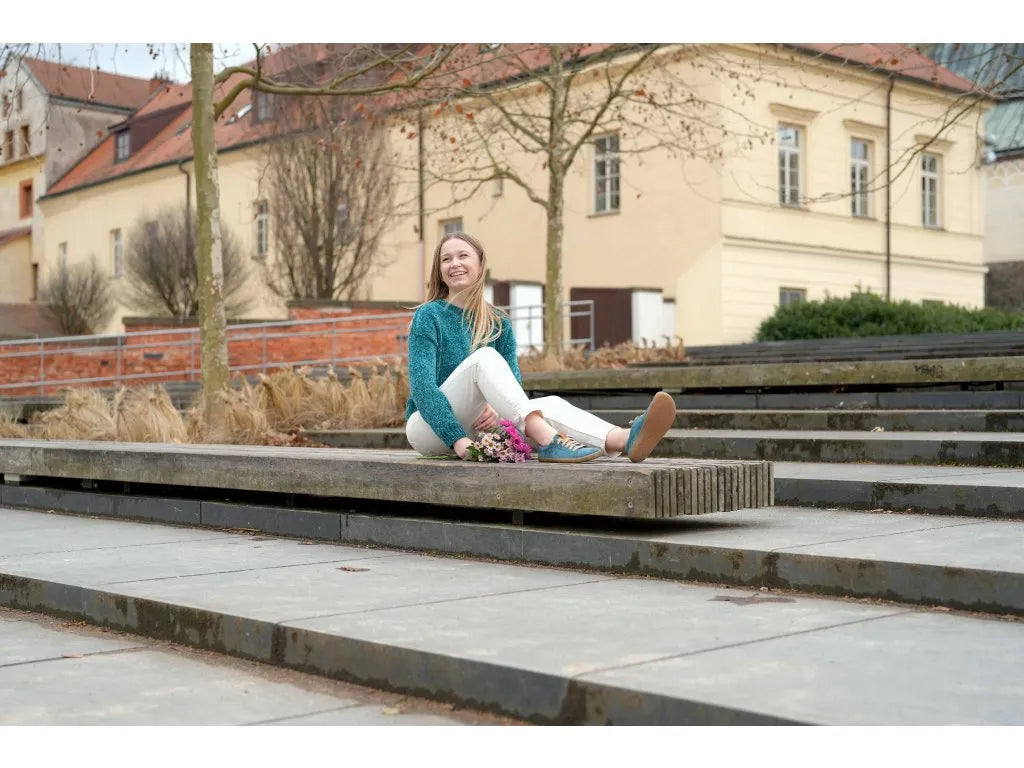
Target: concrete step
pixel 935 448
pixel 946 398
pixel 963 491
pixel 887 420
pixel 958 562
pixel 560 646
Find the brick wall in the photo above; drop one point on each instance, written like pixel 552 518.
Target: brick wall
pixel 329 332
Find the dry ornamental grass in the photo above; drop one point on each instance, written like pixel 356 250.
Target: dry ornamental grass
pixel 274 410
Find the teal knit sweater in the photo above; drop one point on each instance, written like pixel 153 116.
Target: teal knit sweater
pixel 438 341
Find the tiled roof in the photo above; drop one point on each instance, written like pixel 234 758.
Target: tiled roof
pixel 10 235
pixel 899 58
pixel 89 85
pixel 174 142
pixel 29 320
pixel 171 144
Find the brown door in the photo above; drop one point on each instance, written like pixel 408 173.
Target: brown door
pixel 613 315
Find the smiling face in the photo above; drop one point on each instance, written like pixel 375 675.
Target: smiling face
pixel 459 265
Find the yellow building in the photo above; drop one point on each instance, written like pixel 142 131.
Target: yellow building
pixel 702 247
pixel 51 115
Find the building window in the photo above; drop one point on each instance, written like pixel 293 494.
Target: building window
pixel 929 190
pixel 25 199
pixel 122 146
pixel 262 229
pixel 116 253
pixel 792 296
pixel 35 282
pixel 606 173
pixel 19 103
pixel 7 106
pixel 24 140
pixel 340 220
pixel 860 172
pixel 264 109
pixel 499 186
pixel 451 226
pixel 788 137
pixel 62 257
pixel 9 145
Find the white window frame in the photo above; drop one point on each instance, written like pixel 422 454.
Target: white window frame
pixel 62 256
pixel 931 192
pixel 860 179
pixel 122 146
pixel 262 229
pixel 788 156
pixel 116 253
pixel 790 295
pixel 451 226
pixel 607 174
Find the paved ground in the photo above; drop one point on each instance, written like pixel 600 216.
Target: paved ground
pixel 57 672
pixel 548 644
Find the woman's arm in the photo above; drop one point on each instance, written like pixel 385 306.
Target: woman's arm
pixel 424 343
pixel 506 346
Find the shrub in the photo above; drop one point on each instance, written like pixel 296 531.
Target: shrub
pixel 866 314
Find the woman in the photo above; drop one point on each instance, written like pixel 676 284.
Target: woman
pixel 464 376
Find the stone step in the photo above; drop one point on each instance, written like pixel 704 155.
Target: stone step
pixel 942 448
pixel 957 562
pixel 887 420
pixel 615 487
pixel 561 646
pixel 950 398
pixel 963 491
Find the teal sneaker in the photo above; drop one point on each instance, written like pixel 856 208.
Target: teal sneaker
pixel 565 450
pixel 650 426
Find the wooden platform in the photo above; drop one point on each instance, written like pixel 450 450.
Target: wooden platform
pixel 656 488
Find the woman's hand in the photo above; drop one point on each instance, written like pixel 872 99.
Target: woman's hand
pixel 461 445
pixel 487 420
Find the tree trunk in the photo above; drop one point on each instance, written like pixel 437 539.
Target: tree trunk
pixel 553 273
pixel 212 325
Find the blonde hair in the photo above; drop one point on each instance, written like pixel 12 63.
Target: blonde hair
pixel 484 319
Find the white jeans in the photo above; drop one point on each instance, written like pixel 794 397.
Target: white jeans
pixel 484 378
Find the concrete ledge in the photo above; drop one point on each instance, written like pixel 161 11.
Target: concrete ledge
pixel 604 487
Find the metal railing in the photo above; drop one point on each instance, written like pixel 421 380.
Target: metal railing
pixel 174 355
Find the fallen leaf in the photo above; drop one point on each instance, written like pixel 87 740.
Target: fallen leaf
pixel 352 569
pixel 73 655
pixel 391 711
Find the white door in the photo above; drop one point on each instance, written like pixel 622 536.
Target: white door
pixel 526 309
pixel 648 316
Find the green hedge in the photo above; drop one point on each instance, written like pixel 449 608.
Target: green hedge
pixel 866 314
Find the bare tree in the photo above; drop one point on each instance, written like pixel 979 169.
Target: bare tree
pixel 162 273
pixel 78 297
pixel 330 191
pixel 356 71
pixel 545 102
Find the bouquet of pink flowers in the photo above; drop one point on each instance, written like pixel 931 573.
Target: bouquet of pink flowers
pixel 504 444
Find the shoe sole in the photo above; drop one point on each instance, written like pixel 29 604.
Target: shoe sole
pixel 591 457
pixel 660 415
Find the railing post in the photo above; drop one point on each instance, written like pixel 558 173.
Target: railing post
pixel 591 325
pixel 42 367
pixel 264 361
pixel 334 339
pixel 118 380
pixel 192 356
